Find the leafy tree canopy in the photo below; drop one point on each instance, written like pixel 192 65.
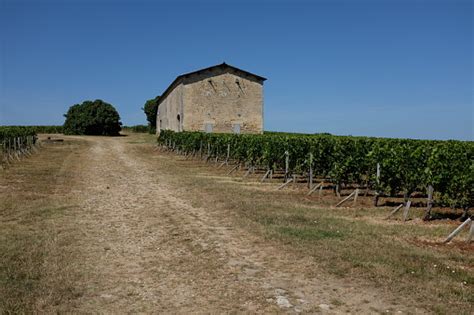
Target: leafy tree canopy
pixel 151 109
pixel 92 118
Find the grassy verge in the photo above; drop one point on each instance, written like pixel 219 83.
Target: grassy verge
pixel 403 260
pixel 35 271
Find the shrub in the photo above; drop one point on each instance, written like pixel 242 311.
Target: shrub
pixel 92 118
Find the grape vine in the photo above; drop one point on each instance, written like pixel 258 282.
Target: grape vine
pixel 406 165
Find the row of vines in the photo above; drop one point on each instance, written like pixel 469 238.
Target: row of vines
pixel 387 166
pixel 136 128
pixel 41 128
pixel 15 142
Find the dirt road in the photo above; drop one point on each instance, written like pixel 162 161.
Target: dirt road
pixel 146 249
pixel 133 242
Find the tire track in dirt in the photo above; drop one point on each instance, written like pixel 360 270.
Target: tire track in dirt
pixel 148 250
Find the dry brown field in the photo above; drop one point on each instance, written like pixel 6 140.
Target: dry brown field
pixel 113 225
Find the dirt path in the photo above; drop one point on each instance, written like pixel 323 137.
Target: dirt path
pixel 145 249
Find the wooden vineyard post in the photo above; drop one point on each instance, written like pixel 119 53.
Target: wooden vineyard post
pixel 20 146
pixel 366 188
pixel 310 182
pixel 32 143
pixel 394 211
pixel 233 169
pixel 200 149
pixel 27 146
pixel 267 174
pixel 471 233
pixel 208 151
pixel 320 194
pixel 314 189
pixel 287 164
pixel 17 148
pixel 226 161
pixel 250 170
pixel 429 203
pixel 14 146
pixel 8 150
pixel 377 181
pixel 337 190
pixel 406 210
pixel 13 149
pixel 457 230
pixel 24 147
pixel 465 213
pixel 353 194
pixel 285 184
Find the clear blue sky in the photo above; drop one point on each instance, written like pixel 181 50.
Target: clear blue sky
pixel 376 68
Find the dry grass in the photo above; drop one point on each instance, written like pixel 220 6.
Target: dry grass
pixel 34 256
pixel 402 260
pixel 43 255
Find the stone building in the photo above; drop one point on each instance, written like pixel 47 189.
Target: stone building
pixel 220 98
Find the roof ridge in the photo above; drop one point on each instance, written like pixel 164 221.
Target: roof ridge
pixel 185 75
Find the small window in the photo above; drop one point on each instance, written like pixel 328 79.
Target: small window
pixel 236 128
pixel 178 117
pixel 208 127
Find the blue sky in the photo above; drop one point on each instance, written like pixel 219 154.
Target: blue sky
pixel 376 68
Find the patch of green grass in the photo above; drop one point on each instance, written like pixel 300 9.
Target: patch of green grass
pixel 307 234
pixel 300 227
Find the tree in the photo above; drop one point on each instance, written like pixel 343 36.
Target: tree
pixel 92 118
pixel 151 110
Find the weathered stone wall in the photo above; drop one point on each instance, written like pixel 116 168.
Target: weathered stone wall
pixel 223 99
pixel 169 109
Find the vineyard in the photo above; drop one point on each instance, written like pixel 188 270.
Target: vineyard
pixel 16 142
pixel 40 128
pixel 136 128
pixel 387 167
pixel 48 129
